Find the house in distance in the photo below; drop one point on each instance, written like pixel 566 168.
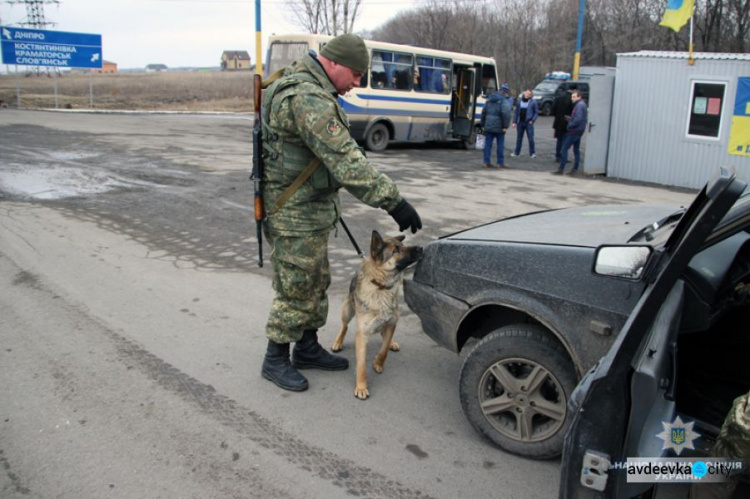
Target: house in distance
pixel 235 60
pixel 156 68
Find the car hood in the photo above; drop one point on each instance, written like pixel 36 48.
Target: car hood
pixel 583 226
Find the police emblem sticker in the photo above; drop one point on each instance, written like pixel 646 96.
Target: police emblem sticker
pixel 333 127
pixel 678 435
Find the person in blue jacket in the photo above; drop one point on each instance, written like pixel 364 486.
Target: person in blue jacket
pixel 576 128
pixel 495 122
pixel 527 111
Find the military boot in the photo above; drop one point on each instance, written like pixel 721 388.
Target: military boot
pixel 308 354
pixel 277 368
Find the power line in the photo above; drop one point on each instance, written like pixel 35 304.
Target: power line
pixel 35 12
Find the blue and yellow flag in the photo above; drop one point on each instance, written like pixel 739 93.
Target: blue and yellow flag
pixel 677 14
pixel 739 135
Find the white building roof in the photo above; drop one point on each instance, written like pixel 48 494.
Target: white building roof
pixel 659 54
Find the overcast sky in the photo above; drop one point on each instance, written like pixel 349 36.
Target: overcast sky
pixel 180 32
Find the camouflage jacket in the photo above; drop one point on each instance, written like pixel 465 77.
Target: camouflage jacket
pixel 302 119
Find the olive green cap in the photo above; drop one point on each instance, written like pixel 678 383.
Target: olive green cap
pixel 348 50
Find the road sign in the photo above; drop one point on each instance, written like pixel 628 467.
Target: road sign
pixel 60 49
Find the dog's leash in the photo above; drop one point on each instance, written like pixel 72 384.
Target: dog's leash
pixel 351 238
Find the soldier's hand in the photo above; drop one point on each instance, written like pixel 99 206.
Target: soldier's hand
pixel 406 216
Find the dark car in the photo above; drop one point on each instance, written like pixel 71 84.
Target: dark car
pixel 524 293
pixel 546 92
pixel 667 383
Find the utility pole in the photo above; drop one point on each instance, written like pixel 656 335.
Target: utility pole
pixel 35 12
pixel 35 17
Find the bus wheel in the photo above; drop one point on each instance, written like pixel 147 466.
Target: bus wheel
pixel 470 142
pixel 377 138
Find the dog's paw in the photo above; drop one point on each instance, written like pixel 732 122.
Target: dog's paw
pixel 337 346
pixel 378 368
pixel 361 393
pixel 394 346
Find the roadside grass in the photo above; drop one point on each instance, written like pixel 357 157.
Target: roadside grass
pixel 214 91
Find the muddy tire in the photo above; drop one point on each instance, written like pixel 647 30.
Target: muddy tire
pixel 514 388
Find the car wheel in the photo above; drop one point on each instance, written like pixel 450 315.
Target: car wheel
pixel 514 388
pixel 546 109
pixel 377 138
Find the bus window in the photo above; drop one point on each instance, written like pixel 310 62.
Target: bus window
pixel 377 71
pixel 282 54
pixel 433 75
pixel 391 70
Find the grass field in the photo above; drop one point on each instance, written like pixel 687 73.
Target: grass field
pixel 217 91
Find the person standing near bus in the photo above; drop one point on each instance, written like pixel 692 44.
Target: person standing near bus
pixel 495 122
pixel 527 111
pixel 302 121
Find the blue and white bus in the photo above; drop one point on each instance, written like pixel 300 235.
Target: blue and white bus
pixel 409 94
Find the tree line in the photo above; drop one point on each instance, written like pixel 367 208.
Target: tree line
pixel 530 38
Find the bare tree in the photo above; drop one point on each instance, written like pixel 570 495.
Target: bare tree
pixel 328 17
pixel 739 13
pixel 529 38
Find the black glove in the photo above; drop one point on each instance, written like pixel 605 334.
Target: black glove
pixel 406 216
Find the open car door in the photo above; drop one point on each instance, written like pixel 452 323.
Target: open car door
pixel 618 407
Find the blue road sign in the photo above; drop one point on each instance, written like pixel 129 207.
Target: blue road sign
pixel 60 49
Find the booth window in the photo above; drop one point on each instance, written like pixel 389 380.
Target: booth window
pixel 706 103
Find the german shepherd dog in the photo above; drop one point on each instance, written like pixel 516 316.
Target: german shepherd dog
pixel 373 297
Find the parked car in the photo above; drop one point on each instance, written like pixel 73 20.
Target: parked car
pixel 539 302
pixel 682 354
pixel 546 91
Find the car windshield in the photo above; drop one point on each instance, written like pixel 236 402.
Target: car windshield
pixel 661 229
pixel 736 218
pixel 546 87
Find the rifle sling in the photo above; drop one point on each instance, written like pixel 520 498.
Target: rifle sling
pixel 289 191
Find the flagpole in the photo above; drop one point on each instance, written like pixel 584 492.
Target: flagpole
pixel 258 41
pixel 577 58
pixel 691 61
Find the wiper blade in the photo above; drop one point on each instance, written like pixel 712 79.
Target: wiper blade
pixel 647 233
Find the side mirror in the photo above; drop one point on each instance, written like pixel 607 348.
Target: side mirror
pixel 626 262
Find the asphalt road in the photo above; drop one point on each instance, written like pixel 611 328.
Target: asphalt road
pixel 132 314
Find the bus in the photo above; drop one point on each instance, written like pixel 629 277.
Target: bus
pixel 409 94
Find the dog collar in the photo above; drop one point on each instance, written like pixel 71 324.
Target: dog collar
pixel 380 285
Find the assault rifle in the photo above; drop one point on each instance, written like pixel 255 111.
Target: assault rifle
pixel 257 174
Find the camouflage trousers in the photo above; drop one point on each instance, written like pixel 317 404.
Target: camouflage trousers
pixel 733 443
pixel 301 277
pixel 734 438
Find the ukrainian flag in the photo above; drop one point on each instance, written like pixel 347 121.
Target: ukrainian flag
pixel 678 13
pixel 739 134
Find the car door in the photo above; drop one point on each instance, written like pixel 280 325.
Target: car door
pixel 616 406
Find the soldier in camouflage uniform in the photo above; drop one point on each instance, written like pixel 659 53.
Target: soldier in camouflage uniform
pixel 302 120
pixel 733 443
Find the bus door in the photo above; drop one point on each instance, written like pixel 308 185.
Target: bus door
pixel 463 102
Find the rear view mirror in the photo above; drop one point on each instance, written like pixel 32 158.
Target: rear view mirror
pixel 626 262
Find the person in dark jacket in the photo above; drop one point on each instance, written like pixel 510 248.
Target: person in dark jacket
pixel 576 127
pixel 495 121
pixel 562 108
pixel 527 111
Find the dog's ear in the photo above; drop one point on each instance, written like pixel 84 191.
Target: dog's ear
pixel 376 245
pixel 400 238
